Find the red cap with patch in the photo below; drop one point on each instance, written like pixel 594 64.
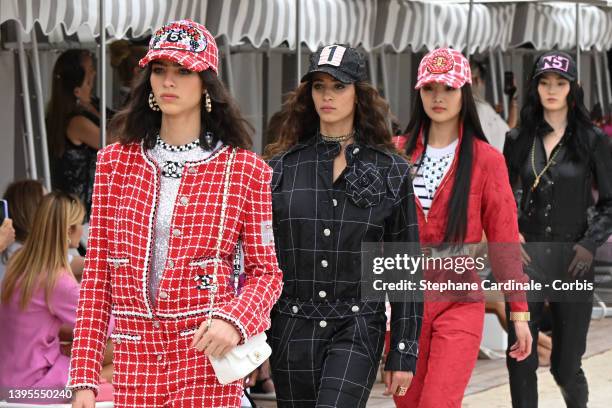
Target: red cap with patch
pixel 445 66
pixel 185 42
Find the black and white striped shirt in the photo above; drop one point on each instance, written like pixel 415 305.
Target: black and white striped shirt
pixel 436 162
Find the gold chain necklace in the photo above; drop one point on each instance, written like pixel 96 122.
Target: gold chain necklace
pixel 550 162
pixel 338 139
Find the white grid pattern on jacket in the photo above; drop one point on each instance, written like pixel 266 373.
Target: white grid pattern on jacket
pixel 119 252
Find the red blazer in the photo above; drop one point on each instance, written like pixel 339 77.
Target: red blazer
pixel 491 208
pixel 115 279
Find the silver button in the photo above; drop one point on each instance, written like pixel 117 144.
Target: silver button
pixel 356 150
pixel 170 263
pixel 324 263
pixel 401 346
pixel 548 229
pixel 323 323
pixel 118 341
pixel 176 232
pixel 295 309
pixel 163 295
pixel 156 325
pixel 549 207
pixel 327 232
pixel 355 309
pixel 192 170
pixel 184 200
pixel 160 357
pixel 322 294
pixel 335 202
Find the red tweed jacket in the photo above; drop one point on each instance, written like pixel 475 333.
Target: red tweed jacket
pixel 115 279
pixel 491 208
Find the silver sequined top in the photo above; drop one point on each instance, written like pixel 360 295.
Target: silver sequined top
pixel 169 191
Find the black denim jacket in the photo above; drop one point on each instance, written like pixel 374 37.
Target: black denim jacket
pixel 319 226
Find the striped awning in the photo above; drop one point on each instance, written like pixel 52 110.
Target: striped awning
pixel 256 21
pixel 430 24
pixel 553 25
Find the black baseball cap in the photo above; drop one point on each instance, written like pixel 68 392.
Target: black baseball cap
pixel 345 64
pixel 558 62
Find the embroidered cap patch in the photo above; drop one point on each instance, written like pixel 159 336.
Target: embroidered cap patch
pixel 440 62
pixel 332 55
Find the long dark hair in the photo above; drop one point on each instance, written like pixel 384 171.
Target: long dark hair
pixel 532 116
pixel 301 119
pixel 137 122
pixel 456 226
pixel 68 73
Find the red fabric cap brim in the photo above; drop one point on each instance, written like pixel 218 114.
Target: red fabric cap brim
pixel 441 79
pixel 184 58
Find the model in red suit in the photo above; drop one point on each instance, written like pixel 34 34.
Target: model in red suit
pixel 462 190
pixel 155 226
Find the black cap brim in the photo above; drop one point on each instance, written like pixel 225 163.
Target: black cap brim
pixel 564 74
pixel 334 72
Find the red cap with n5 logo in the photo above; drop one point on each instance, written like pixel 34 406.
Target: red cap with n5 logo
pixel 185 42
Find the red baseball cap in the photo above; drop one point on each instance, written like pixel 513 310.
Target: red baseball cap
pixel 445 66
pixel 185 42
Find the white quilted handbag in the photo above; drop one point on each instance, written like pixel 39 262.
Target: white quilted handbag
pixel 242 359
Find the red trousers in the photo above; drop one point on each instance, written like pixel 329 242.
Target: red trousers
pixel 448 349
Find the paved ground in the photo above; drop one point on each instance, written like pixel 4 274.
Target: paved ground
pixel 488 387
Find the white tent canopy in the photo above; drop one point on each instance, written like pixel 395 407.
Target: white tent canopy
pixel 259 21
pixel 430 24
pixel 547 25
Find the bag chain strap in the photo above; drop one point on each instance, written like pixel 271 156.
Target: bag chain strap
pixel 226 182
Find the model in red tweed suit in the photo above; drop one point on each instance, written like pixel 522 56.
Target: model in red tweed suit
pixel 155 361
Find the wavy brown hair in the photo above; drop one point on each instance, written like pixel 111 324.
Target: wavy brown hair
pixel 138 123
pixel 301 120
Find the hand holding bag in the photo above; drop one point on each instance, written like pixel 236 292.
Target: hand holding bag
pixel 245 358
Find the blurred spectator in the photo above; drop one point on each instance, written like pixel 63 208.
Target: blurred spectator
pixel 73 125
pixel 493 125
pixel 39 294
pixel 124 59
pixel 7 234
pixel 597 115
pixel 23 198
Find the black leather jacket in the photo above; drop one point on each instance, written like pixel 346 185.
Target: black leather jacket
pixel 557 209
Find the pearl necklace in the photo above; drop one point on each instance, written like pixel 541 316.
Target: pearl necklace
pixel 181 148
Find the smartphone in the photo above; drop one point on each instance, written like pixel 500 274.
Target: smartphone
pixel 508 82
pixel 3 210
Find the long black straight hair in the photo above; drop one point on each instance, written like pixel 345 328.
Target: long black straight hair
pixel 456 226
pixel 532 116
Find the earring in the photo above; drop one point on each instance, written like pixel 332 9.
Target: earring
pixel 152 103
pixel 208 102
pixel 209 139
pixel 69 241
